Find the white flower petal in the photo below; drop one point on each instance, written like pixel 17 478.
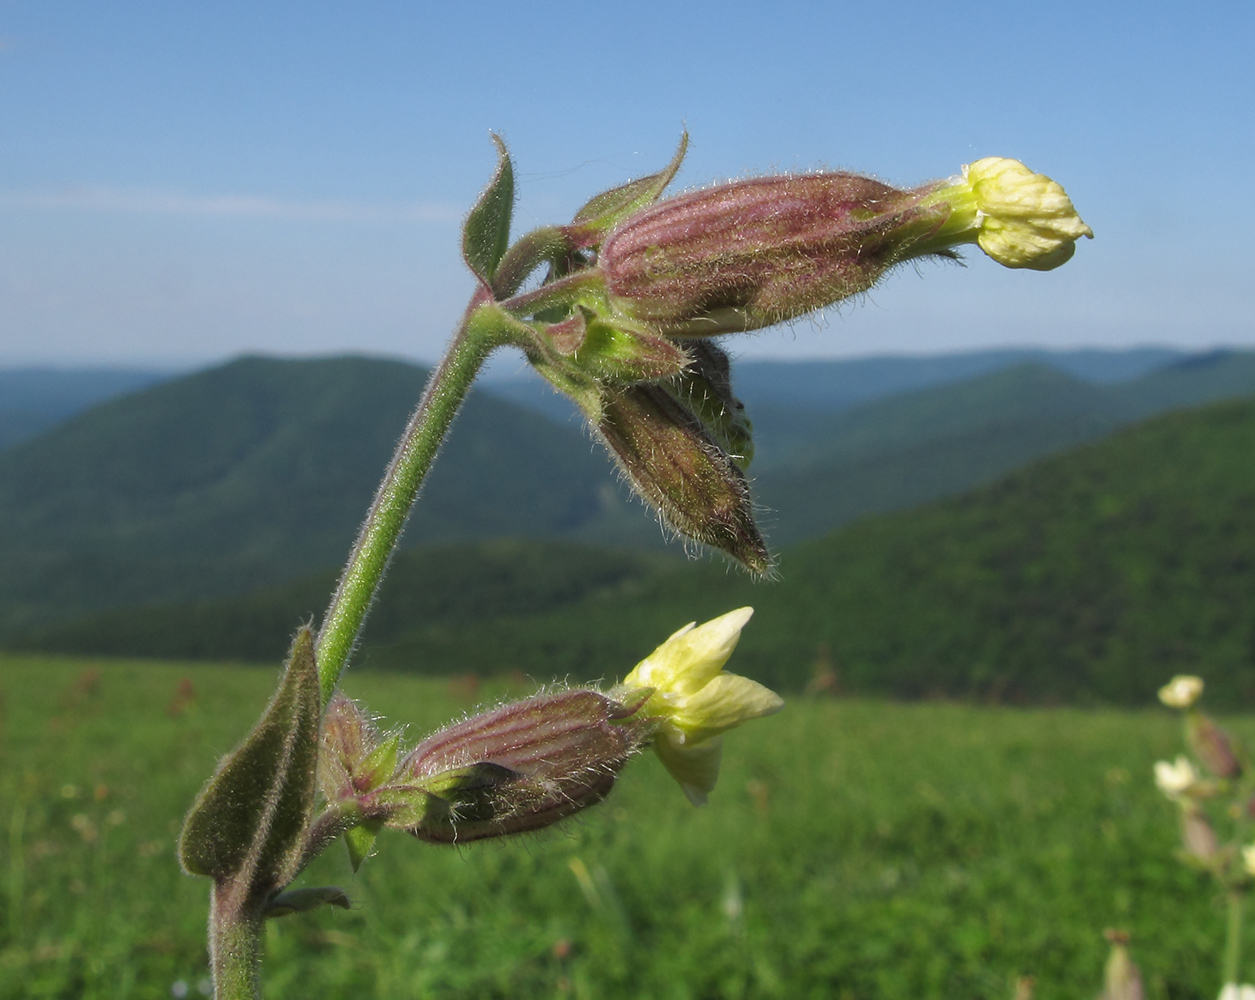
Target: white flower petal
pixel 688 661
pixel 726 702
pixel 696 768
pixel 1176 778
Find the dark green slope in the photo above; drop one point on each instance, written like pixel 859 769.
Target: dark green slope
pixel 1094 575
pixel 259 470
pixel 440 591
pixel 1091 576
pixel 255 471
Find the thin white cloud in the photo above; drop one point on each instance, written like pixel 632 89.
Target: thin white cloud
pixel 105 199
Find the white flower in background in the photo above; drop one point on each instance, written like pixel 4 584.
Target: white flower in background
pixel 1232 991
pixel 1177 778
pixel 1182 691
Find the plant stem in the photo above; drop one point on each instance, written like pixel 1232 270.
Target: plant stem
pixel 1233 939
pixel 474 340
pixel 234 945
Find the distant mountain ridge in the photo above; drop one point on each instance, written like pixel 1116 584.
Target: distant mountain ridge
pixel 34 400
pixel 819 386
pixel 249 474
pixel 820 471
pixel 260 469
pixel 1091 576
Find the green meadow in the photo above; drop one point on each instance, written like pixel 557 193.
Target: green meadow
pixel 853 849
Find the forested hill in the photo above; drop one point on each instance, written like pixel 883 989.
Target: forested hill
pixel 258 470
pixel 1090 576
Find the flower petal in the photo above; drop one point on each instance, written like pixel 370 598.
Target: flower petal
pixel 696 768
pixel 692 657
pixel 724 703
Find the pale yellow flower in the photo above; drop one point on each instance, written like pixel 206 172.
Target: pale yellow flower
pixel 1248 858
pixel 1177 778
pixel 1027 219
pixel 1182 691
pixel 1019 218
pixel 695 701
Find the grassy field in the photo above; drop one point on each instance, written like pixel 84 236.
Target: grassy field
pixel 854 849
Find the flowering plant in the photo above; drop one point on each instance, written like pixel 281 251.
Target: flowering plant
pixel 1219 790
pixel 616 309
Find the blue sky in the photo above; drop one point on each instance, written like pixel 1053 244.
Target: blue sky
pixel 180 183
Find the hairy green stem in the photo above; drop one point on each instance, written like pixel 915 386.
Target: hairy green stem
pixel 1233 938
pixel 234 945
pixel 474 340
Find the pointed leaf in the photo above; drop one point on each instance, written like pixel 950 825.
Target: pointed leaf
pixel 303 900
pixel 360 840
pixel 249 820
pixel 380 763
pixel 605 211
pixel 486 232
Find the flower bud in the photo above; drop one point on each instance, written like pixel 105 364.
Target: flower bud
pixel 1212 745
pixel 695 702
pixel 751 253
pixel 705 390
pixel 594 348
pixel 671 461
pixel 1182 691
pixel 517 768
pixel 748 254
pixel 1197 836
pixel 1122 980
pixel 1019 218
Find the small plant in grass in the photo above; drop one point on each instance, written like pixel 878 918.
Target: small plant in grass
pixel 618 310
pixel 1214 790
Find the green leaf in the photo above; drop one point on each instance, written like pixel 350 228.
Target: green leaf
pixel 249 820
pixel 360 840
pixel 605 211
pixel 486 233
pixel 304 900
pixel 381 762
